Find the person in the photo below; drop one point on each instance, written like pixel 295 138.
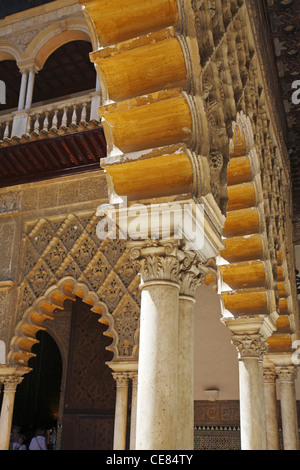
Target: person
pixel 15 433
pixel 20 445
pixel 51 438
pixel 38 442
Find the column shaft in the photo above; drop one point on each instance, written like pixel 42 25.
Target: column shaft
pixel 249 337
pixel 22 90
pixel 250 404
pixel 288 407
pixel 134 377
pixel 272 434
pixel 121 410
pixel 30 89
pixel 262 402
pixel 158 367
pixel 10 385
pixel 185 427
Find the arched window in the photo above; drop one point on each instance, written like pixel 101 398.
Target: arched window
pixel 67 70
pixel 11 77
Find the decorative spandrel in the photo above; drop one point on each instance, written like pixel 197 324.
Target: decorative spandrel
pixel 55 248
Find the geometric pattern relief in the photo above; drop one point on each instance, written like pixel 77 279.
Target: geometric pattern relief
pixel 54 248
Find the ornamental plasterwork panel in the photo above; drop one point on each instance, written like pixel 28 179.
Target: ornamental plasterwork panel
pixel 10 202
pixel 26 27
pixel 7 235
pixel 54 248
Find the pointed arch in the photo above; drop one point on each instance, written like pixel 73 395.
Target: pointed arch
pixel 44 308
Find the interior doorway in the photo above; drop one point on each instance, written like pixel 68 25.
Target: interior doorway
pixel 70 386
pixel 90 391
pixel 37 397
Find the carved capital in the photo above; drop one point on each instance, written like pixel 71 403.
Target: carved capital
pixel 287 374
pixel 192 273
pixel 121 379
pixel 157 260
pixel 249 345
pixel 269 375
pixel 11 382
pixel 133 376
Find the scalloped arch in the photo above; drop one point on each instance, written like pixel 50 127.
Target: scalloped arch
pixel 43 308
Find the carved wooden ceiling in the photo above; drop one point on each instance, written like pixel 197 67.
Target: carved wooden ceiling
pixel 48 158
pixel 68 70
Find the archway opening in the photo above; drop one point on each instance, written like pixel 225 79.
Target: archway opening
pixel 10 75
pixel 70 388
pixel 38 395
pixel 67 70
pixel 89 400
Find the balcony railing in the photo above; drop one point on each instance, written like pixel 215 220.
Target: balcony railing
pixel 48 120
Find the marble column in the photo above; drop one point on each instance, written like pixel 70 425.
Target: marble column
pixel 262 397
pixel 249 335
pixel 192 274
pixel 134 382
pixel 272 434
pixel 287 376
pixel 122 382
pixel 29 94
pixel 23 90
pixel 157 396
pixel 10 386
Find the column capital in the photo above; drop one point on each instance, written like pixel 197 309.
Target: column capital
pixel 269 375
pixel 249 346
pixel 27 65
pixel 133 376
pixel 192 273
pixel 121 378
pixel 249 335
pixel 158 260
pixel 287 374
pixel 11 377
pixel 11 382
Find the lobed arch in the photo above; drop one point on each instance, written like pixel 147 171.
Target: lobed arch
pixel 44 307
pixel 254 276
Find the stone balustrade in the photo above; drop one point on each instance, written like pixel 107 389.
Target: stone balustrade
pixel 50 119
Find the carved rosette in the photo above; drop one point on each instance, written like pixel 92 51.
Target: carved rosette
pixel 287 374
pixel 250 346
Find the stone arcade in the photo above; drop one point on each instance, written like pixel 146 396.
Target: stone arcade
pixel 181 112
